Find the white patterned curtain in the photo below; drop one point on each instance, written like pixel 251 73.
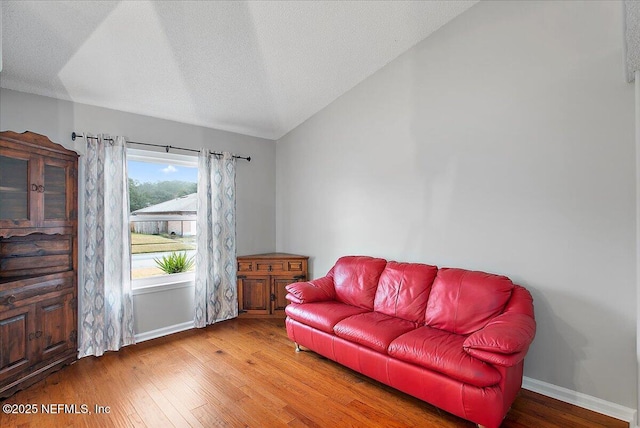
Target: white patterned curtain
pixel 216 295
pixel 106 302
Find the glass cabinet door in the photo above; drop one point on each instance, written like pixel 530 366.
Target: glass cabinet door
pixel 38 186
pixel 14 188
pixel 35 191
pixel 55 192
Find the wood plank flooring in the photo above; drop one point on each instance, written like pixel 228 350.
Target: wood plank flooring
pixel 245 373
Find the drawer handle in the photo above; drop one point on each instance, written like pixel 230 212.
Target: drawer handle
pixel 38 334
pixel 34 188
pixel 41 188
pixel 300 277
pixel 269 268
pixel 31 336
pixel 11 300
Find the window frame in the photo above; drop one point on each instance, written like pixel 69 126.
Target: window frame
pixel 166 281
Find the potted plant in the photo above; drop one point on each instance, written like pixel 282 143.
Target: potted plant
pixel 175 262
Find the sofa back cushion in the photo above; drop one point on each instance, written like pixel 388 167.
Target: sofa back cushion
pixel 403 290
pixel 356 279
pixel 463 301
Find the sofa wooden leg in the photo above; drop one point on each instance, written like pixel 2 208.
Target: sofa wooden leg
pixel 298 347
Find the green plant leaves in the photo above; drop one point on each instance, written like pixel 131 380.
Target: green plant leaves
pixel 175 262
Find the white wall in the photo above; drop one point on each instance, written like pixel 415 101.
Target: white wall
pixel 505 143
pixel 255 180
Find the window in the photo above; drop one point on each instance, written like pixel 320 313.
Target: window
pixel 162 200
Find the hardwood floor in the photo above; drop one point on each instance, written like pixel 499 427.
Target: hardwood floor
pixel 241 373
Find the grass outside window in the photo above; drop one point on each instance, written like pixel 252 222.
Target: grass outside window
pixel 156 244
pixel 144 244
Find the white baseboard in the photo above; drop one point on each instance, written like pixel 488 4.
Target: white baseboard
pixel 176 328
pixel 582 400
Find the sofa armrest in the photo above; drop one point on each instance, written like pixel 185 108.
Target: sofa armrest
pixel 292 299
pixel 318 290
pixel 505 360
pixel 504 341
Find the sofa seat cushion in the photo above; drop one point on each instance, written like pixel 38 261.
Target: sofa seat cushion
pixel 322 315
pixel 442 351
pixel 372 329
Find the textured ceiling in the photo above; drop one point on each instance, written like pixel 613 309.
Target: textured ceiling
pixel 259 68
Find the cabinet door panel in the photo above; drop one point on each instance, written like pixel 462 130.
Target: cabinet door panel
pixel 17 198
pixel 255 295
pixel 16 344
pixel 55 204
pixel 58 193
pixel 279 291
pixel 54 322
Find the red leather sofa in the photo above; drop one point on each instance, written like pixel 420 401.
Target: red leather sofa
pixel 451 337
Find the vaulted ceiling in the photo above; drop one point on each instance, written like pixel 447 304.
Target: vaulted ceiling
pixel 255 67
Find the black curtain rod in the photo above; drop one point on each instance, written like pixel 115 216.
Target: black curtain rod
pixel 74 136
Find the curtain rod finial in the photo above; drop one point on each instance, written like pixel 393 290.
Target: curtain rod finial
pixel 73 136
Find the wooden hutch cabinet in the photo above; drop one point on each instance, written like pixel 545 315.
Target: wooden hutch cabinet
pixel 262 279
pixel 38 259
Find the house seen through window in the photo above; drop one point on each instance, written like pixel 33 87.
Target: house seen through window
pixel 162 200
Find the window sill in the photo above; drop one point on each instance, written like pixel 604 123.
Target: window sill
pixel 158 283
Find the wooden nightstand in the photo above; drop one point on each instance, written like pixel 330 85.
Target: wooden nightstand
pixel 262 279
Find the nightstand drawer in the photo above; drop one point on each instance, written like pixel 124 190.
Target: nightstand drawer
pixel 295 266
pixel 34 287
pixel 269 266
pixel 38 254
pixel 244 266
